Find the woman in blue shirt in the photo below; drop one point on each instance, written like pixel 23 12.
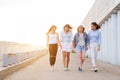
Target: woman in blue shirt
pixel 66 38
pixel 94 43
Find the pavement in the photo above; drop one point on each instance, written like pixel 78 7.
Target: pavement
pixel 40 70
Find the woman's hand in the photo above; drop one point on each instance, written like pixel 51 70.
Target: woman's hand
pixel 59 45
pixel 88 47
pixel 99 48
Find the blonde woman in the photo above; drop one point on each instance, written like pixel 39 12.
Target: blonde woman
pixel 52 44
pixel 80 44
pixel 66 39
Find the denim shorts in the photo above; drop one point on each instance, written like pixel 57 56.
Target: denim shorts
pixel 80 48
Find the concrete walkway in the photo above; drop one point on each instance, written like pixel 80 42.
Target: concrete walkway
pixel 40 70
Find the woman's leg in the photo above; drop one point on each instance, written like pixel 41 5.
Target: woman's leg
pixel 50 53
pixel 96 53
pixel 83 57
pixel 83 54
pixel 93 50
pixel 67 59
pixel 80 58
pixel 64 58
pixel 55 48
pixel 53 51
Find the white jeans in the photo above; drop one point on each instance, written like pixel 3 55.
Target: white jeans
pixel 94 52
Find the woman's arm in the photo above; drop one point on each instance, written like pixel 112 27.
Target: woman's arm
pixel 58 39
pixel 88 40
pixel 74 41
pixel 47 41
pixel 99 38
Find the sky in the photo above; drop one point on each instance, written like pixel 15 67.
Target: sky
pixel 27 21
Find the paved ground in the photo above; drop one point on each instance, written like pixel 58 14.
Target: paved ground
pixel 40 70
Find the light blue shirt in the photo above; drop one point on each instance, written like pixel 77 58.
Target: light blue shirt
pixel 66 37
pixel 94 37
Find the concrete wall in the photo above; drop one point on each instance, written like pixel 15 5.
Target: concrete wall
pixel 107 14
pixel 99 11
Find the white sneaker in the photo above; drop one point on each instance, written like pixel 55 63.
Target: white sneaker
pixel 66 69
pixel 94 69
pixel 52 68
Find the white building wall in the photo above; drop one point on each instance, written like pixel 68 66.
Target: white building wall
pixel 109 19
pixel 110 46
pixel 102 51
pixel 118 42
pixel 109 40
pixel 100 9
pixel 114 38
pixel 105 41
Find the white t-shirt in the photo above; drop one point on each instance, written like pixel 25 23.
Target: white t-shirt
pixel 81 40
pixel 52 39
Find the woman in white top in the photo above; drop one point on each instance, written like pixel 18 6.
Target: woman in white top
pixel 52 44
pixel 66 39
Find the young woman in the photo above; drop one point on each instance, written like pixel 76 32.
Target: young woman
pixel 52 44
pixel 80 44
pixel 66 39
pixel 94 43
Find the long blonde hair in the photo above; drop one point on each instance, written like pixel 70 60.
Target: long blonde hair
pixel 51 29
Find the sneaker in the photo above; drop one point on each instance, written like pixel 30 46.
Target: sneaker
pixel 80 69
pixel 94 69
pixel 52 68
pixel 66 69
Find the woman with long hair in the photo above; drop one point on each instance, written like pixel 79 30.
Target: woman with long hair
pixel 52 44
pixel 66 38
pixel 94 44
pixel 80 44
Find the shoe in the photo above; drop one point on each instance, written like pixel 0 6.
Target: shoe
pixel 52 68
pixel 80 69
pixel 94 69
pixel 66 69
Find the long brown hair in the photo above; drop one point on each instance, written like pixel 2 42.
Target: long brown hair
pixel 95 24
pixel 51 29
pixel 80 27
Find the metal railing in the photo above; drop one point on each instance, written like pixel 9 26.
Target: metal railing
pixel 14 58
